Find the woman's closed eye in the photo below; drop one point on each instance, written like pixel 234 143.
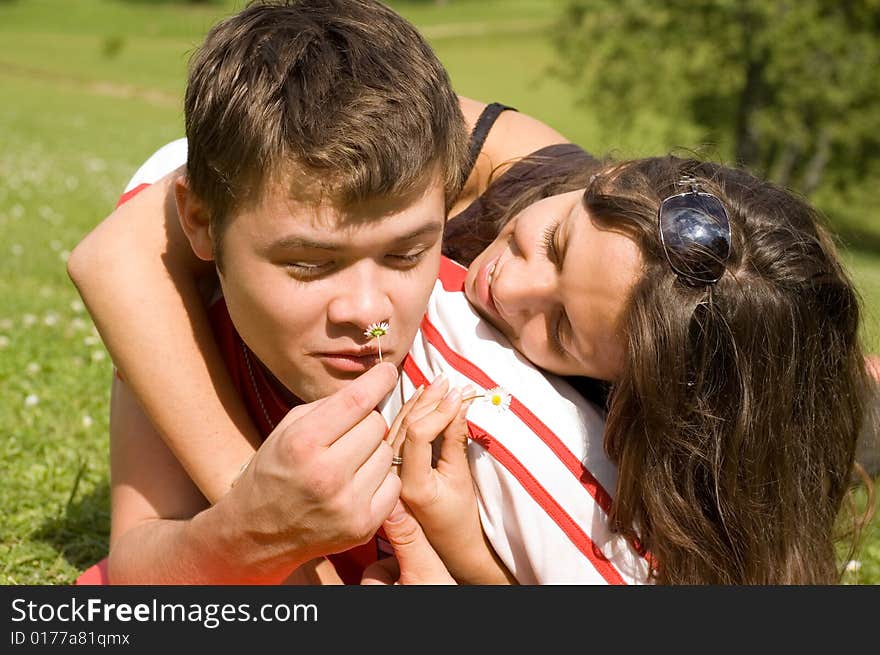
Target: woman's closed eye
pixel 549 243
pixel 561 327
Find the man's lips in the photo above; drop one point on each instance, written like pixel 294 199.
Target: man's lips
pixel 355 360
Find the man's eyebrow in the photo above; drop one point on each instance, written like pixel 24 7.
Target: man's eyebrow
pixel 306 243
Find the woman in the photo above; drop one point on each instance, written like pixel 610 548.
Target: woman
pixel 726 338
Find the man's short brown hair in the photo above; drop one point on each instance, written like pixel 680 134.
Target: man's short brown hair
pixel 344 94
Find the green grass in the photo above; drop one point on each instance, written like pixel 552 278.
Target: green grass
pixel 88 93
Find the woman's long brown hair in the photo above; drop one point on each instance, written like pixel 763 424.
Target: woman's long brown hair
pixel 735 420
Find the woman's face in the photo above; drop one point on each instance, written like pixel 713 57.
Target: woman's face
pixel 555 285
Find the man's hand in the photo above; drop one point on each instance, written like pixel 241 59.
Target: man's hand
pixel 322 481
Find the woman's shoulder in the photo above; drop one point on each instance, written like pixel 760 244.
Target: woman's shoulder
pixel 510 136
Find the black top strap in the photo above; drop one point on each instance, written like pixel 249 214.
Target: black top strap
pixel 481 130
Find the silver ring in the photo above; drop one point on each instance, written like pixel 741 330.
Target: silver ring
pixel 396 460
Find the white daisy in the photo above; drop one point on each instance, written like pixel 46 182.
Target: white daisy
pixel 498 397
pixel 377 330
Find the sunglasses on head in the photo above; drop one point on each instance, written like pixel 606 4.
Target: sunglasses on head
pixel 695 233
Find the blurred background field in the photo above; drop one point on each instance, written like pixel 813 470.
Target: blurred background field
pixel 90 88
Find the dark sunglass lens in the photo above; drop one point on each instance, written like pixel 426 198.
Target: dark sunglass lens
pixel 696 235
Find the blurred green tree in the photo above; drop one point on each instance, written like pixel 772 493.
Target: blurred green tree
pixel 788 88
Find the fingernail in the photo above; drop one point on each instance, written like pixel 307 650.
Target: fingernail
pixel 453 396
pixel 438 379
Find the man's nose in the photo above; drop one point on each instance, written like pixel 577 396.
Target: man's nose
pixel 361 299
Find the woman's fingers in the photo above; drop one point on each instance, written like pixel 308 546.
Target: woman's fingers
pixel 415 562
pixel 453 449
pixel 425 403
pixel 417 470
pixel 396 424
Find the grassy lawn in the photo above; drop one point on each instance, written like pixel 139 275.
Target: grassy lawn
pixel 88 93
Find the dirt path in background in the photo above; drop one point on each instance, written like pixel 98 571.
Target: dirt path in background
pixel 94 87
pixel 164 99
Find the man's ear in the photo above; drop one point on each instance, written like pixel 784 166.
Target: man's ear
pixel 194 219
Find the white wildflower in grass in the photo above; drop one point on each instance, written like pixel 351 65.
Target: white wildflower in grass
pixel 91 340
pixel 31 400
pixel 17 211
pixel 71 183
pixel 87 421
pixel 50 319
pixel 853 566
pixel 28 320
pixel 55 245
pixel 16 249
pixel 77 306
pixel 376 331
pixel 98 355
pixel 4 341
pixel 33 368
pixel 95 165
pixel 45 292
pixel 78 324
pixel 64 255
pixel 6 324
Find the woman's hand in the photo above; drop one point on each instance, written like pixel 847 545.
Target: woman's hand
pixel 415 562
pixel 442 497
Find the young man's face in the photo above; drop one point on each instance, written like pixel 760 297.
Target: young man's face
pixel 303 282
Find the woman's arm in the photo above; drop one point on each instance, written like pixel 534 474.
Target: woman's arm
pixel 138 277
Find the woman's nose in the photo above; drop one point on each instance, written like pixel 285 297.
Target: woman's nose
pixel 521 288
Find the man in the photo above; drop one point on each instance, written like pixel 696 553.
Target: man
pixel 324 139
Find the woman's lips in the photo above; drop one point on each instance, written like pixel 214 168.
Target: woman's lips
pixel 483 286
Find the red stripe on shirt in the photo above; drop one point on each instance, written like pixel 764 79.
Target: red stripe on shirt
pixel 131 193
pixel 452 275
pixel 539 494
pixel 473 372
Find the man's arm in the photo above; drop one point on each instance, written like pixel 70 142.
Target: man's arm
pixel 320 484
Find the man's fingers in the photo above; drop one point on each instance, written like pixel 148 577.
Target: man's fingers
pixel 357 445
pixel 385 498
pixel 330 418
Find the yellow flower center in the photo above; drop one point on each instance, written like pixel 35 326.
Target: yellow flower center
pixel 496 399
